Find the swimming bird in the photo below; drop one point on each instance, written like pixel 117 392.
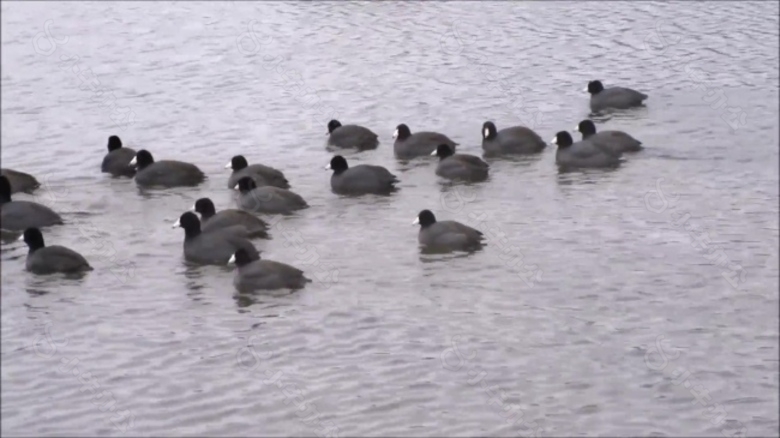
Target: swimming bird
pixel 262 175
pixel 616 142
pixel 231 217
pixel 408 145
pixel 583 154
pixel 614 97
pixel 20 181
pixel 351 136
pixel 446 235
pixel 165 173
pixel 257 274
pixel 20 215
pixel 267 199
pixel 361 179
pixel 42 259
pixel 512 140
pixel 117 160
pixel 212 248
pixel 459 166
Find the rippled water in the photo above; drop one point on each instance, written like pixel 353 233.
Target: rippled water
pixel 599 342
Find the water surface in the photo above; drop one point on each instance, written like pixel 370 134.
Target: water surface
pixel 623 303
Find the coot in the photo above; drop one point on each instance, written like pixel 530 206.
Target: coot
pixel 617 142
pixel 117 160
pixel 351 136
pixel 512 140
pixel 211 220
pixel 460 166
pixel 582 154
pixel 20 215
pixel 408 145
pixel 42 259
pixel 360 179
pixel 267 199
pixel 212 248
pixel 263 175
pixel 614 97
pixel 165 173
pixel 446 235
pixel 20 181
pixel 256 274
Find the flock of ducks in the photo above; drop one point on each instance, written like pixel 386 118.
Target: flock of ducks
pixel 224 237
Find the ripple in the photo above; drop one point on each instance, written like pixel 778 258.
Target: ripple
pixel 173 343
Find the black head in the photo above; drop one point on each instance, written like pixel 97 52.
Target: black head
pixel 241 258
pixel 595 87
pixel 114 143
pixel 205 207
pixel 246 184
pixel 332 125
pixel 563 140
pixel 489 130
pixel 33 238
pixel 402 132
pixel 425 219
pixel 443 151
pixel 142 159
pixel 238 162
pixel 586 128
pixel 338 164
pixel 5 190
pixel 190 222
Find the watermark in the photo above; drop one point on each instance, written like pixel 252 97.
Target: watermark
pixel 452 359
pixel 122 420
pixel 101 247
pixel 123 117
pixel 249 359
pixel 306 254
pixel 657 202
pixel 680 376
pixel 455 42
pixel 456 200
pixel 607 329
pixel 51 41
pixel 659 42
pixel 250 44
pixel 123 270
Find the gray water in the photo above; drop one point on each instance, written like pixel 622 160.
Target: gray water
pixel 592 311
